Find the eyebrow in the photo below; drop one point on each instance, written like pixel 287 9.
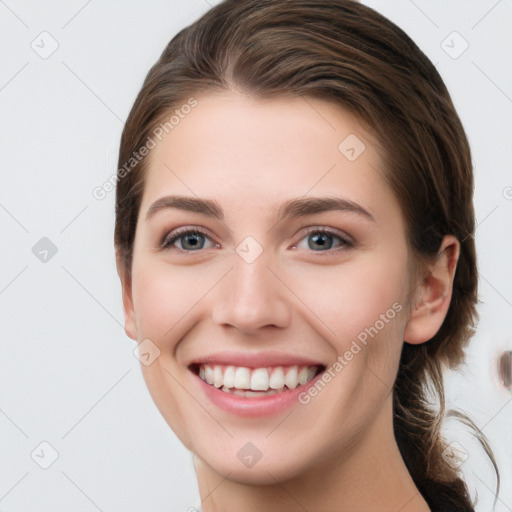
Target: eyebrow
pixel 189 204
pixel 300 207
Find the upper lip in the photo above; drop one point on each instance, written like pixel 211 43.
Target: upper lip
pixel 255 359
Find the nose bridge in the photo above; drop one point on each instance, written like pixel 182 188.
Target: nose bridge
pixel 251 297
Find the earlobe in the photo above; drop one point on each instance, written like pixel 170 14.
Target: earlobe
pixel 126 285
pixel 433 294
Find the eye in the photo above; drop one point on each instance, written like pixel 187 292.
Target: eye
pixel 323 240
pixel 193 240
pixel 189 240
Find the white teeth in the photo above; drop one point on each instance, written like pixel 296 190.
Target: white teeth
pixel 208 374
pixel 259 379
pixel 303 375
pixel 229 377
pixel 277 378
pixel 290 378
pixel 243 381
pixel 218 378
pixel 242 378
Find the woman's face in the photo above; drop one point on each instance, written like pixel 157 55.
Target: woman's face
pixel 295 262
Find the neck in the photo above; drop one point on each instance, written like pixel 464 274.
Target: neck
pixel 368 476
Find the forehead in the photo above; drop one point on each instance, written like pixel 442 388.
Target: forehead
pixel 235 147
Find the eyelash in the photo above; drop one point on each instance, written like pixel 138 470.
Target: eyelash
pixel 167 242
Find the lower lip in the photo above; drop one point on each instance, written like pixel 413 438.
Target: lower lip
pixel 255 406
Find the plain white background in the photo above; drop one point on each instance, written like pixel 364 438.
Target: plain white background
pixel 68 375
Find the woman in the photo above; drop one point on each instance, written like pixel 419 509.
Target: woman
pixel 294 226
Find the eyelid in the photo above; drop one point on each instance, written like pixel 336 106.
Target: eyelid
pixel 170 237
pixel 347 240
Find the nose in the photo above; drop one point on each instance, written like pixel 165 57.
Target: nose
pixel 251 297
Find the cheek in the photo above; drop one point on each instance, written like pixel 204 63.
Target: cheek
pixel 164 304
pixel 362 303
pixel 164 298
pixel 351 298
pixel 170 397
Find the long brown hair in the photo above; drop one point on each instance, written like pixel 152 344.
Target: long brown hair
pixel 346 53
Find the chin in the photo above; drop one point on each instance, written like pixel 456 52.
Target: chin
pixel 265 471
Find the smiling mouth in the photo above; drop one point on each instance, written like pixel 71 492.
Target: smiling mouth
pixel 255 382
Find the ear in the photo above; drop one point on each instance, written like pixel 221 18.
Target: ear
pixel 126 284
pixel 432 297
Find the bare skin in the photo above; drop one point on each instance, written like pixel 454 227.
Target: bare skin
pixel 338 451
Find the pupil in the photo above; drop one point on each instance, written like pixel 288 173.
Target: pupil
pixel 192 241
pixel 321 240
